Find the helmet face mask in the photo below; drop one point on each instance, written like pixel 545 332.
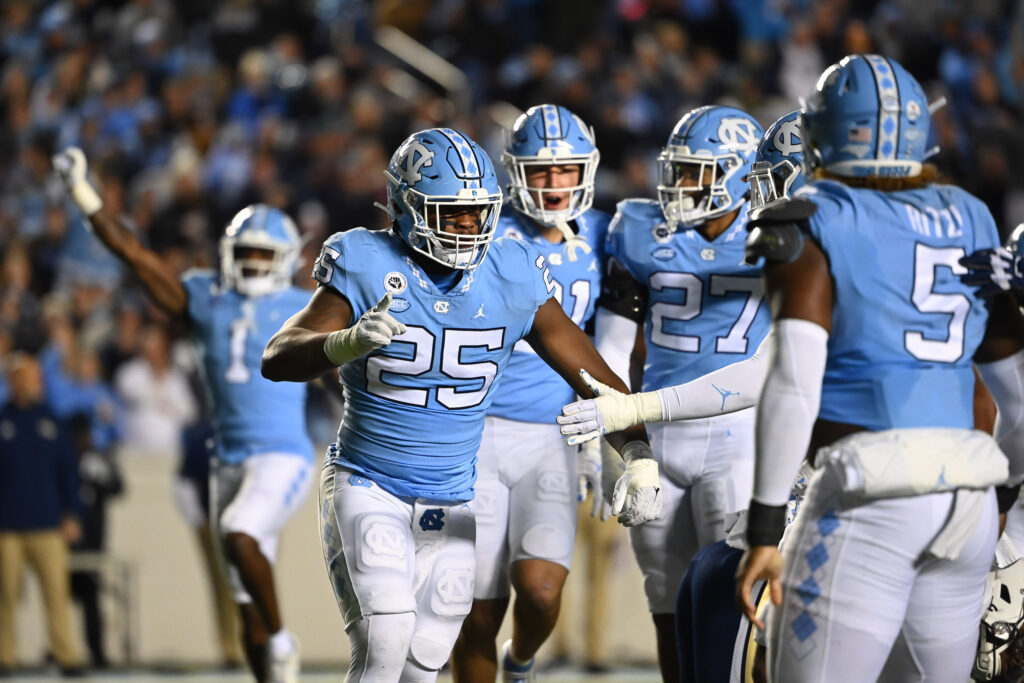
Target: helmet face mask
pixel 259 251
pixel 548 137
pixel 704 166
pixel 1000 656
pixel 779 169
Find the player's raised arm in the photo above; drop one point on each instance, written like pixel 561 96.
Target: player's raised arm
pixel 157 278
pixel 566 348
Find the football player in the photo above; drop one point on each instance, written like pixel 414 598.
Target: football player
pixel 525 507
pixel 884 568
pixel 264 461
pixel 422 320
pixel 675 266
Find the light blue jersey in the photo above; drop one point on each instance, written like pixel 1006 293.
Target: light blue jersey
pixel 904 328
pixel 252 415
pixel 416 406
pixel 530 391
pixel 705 309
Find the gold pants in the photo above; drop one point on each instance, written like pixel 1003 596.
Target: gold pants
pixel 47 553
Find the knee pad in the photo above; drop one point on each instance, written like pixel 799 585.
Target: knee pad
pixel 547 541
pixel 429 650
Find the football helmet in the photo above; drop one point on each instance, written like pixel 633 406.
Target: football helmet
pixel 263 227
pixel 867 116
pixel 778 169
pixel 703 168
pixel 549 135
pixel 1001 643
pixel 433 173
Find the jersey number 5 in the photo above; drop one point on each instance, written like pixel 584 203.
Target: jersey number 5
pixel 421 360
pixel 927 260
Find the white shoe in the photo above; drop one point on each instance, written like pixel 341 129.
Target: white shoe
pixel 514 672
pixel 283 660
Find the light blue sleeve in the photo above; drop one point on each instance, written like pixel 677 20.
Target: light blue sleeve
pixel 198 284
pixel 344 262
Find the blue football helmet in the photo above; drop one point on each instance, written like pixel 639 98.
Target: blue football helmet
pixel 778 169
pixel 434 173
pixel 867 116
pixel 703 168
pixel 259 227
pixel 549 135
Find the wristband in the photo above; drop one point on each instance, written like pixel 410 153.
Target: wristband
pixel 1006 496
pixel 765 524
pixel 339 346
pixel 86 198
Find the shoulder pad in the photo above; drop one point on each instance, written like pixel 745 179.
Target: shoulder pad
pixel 776 230
pixel 790 210
pixel 639 209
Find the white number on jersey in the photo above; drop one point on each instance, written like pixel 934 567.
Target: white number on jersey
pixel 238 372
pixel 721 285
pixel 926 261
pixel 420 359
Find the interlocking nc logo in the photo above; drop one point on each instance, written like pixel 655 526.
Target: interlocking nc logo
pixel 385 540
pixel 432 520
pixel 737 134
pixel 787 139
pixel 441 306
pixel 410 164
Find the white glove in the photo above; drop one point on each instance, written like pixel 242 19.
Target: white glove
pixel 588 467
pixel 637 498
pixel 72 168
pixel 611 411
pixel 374 329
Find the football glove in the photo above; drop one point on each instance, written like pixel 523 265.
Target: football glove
pixel 374 329
pixel 590 469
pixel 993 271
pixel 611 411
pixel 72 168
pixel 637 498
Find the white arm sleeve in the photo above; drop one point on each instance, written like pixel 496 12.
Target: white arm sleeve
pixel 788 407
pixel 1004 379
pixel 614 337
pixel 732 388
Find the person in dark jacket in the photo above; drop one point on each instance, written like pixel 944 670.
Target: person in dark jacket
pixel 38 509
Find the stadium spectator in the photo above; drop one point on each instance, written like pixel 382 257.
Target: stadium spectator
pixel 39 506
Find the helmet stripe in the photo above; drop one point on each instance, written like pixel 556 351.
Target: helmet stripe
pixel 470 164
pixel 886 140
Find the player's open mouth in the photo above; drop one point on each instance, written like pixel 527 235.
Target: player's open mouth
pixel 554 203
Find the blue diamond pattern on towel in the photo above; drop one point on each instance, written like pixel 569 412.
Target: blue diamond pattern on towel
pixel 809 591
pixel 828 523
pixel 817 556
pixel 887 148
pixel 889 126
pixel 804 626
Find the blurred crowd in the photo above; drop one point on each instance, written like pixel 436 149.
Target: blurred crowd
pixel 190 110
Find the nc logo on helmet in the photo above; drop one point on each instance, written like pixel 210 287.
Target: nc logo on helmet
pixel 738 134
pixel 787 139
pixel 410 164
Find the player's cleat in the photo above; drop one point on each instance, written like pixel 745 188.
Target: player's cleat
pixel 283 659
pixel 514 672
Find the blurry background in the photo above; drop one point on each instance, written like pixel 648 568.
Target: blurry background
pixel 189 110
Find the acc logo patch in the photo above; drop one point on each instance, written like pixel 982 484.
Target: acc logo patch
pixel 395 282
pixel 664 253
pixel 442 306
pixel 661 234
pixel 738 134
pixel 399 305
pixel 414 157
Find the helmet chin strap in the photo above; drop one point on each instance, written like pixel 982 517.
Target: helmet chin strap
pixel 572 240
